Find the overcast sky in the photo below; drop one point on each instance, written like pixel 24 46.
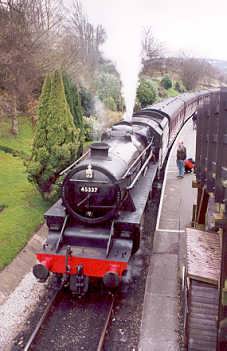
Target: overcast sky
pixel 194 27
pixel 197 27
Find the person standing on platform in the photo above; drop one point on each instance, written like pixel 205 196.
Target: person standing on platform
pixel 181 156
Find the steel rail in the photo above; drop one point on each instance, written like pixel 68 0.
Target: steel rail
pixel 38 326
pixel 102 337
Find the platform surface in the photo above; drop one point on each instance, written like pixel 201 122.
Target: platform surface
pixel 159 329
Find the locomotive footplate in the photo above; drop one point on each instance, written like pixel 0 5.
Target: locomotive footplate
pixel 120 251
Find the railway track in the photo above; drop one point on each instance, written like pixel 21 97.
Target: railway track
pixel 41 321
pixel 103 333
pixel 44 326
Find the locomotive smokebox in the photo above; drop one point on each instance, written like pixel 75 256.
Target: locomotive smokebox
pixel 111 280
pixel 40 272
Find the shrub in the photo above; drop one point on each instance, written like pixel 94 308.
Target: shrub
pixel 146 94
pixel 73 100
pixel 162 93
pixel 88 128
pixel 179 87
pixel 108 87
pixel 87 102
pixel 110 103
pixel 166 83
pixel 56 138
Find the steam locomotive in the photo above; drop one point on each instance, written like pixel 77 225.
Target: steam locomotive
pixel 95 228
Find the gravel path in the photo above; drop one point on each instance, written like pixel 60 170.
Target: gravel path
pixel 15 311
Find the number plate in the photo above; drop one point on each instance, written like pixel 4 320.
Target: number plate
pixel 89 189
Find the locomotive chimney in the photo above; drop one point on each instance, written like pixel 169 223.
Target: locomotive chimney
pixel 99 150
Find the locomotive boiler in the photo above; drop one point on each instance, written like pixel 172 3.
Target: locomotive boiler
pixel 95 190
pixel 95 228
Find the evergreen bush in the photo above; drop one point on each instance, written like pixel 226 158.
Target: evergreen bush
pixel 56 139
pixel 88 128
pixel 110 103
pixel 162 93
pixel 146 93
pixel 179 87
pixel 87 102
pixel 166 83
pixel 108 87
pixel 73 100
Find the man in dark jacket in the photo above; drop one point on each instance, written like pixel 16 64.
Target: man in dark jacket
pixel 181 156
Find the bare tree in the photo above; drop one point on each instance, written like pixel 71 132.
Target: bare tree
pixel 196 71
pixel 35 40
pixel 152 53
pixel 25 29
pixel 82 42
pixel 151 48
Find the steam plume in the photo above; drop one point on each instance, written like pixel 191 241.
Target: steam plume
pixel 124 48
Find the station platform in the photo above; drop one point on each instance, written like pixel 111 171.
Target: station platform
pixel 159 329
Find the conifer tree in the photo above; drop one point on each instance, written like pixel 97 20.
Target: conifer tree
pixel 56 139
pixel 73 100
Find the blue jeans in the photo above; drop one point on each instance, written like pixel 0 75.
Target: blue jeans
pixel 180 166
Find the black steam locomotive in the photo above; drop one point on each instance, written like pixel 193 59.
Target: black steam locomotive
pixel 95 227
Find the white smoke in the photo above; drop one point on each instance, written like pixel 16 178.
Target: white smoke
pixel 122 23
pixel 99 123
pixel 129 67
pixel 126 39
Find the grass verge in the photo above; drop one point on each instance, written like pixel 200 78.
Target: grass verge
pixel 21 143
pixel 21 207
